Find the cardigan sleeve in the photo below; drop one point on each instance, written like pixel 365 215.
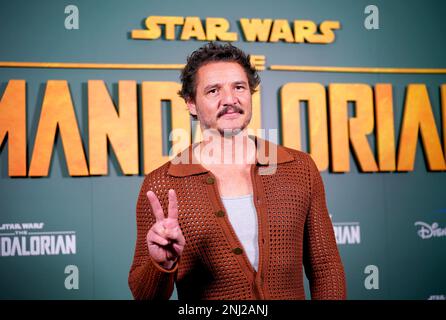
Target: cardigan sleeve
pixel 147 279
pixel 322 262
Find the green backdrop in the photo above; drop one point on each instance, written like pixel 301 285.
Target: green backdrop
pixel 100 210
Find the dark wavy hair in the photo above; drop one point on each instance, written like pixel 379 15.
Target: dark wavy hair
pixel 214 52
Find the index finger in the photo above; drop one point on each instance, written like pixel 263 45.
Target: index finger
pixel 156 206
pixel 173 205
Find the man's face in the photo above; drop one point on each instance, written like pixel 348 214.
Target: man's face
pixel 223 98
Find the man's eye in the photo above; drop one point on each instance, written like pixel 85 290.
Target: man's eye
pixel 240 88
pixel 212 91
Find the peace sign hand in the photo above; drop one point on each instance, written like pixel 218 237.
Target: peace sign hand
pixel 165 239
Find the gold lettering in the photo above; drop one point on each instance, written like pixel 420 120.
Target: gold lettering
pixel 256 29
pixel 258 62
pixel 357 127
pixel 418 117
pixel 57 111
pixel 443 115
pixel 119 126
pixel 217 29
pixel 385 131
pixel 170 23
pixel 121 129
pixel 281 31
pixel 13 123
pixel 256 119
pixel 303 30
pixel 327 35
pixel 291 96
pixel 193 29
pixel 153 30
pixel 152 95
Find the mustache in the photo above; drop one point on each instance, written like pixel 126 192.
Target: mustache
pixel 226 109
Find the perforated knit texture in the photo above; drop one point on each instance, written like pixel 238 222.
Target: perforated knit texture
pixel 296 230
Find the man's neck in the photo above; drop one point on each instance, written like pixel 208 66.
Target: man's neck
pixel 226 151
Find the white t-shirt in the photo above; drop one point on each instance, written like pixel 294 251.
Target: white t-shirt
pixel 243 217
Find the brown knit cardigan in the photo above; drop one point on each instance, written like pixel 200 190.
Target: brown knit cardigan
pixel 295 230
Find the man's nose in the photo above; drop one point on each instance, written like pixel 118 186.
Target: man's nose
pixel 228 97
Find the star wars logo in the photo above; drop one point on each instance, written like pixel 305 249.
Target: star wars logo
pixel 253 30
pixel 28 239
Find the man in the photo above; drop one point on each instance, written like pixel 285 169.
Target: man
pixel 220 228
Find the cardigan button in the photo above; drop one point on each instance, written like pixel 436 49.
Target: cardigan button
pixel 220 213
pixel 210 180
pixel 237 250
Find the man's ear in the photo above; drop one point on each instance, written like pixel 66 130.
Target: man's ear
pixel 192 107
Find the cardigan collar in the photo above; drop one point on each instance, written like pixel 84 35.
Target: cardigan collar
pixel 181 165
